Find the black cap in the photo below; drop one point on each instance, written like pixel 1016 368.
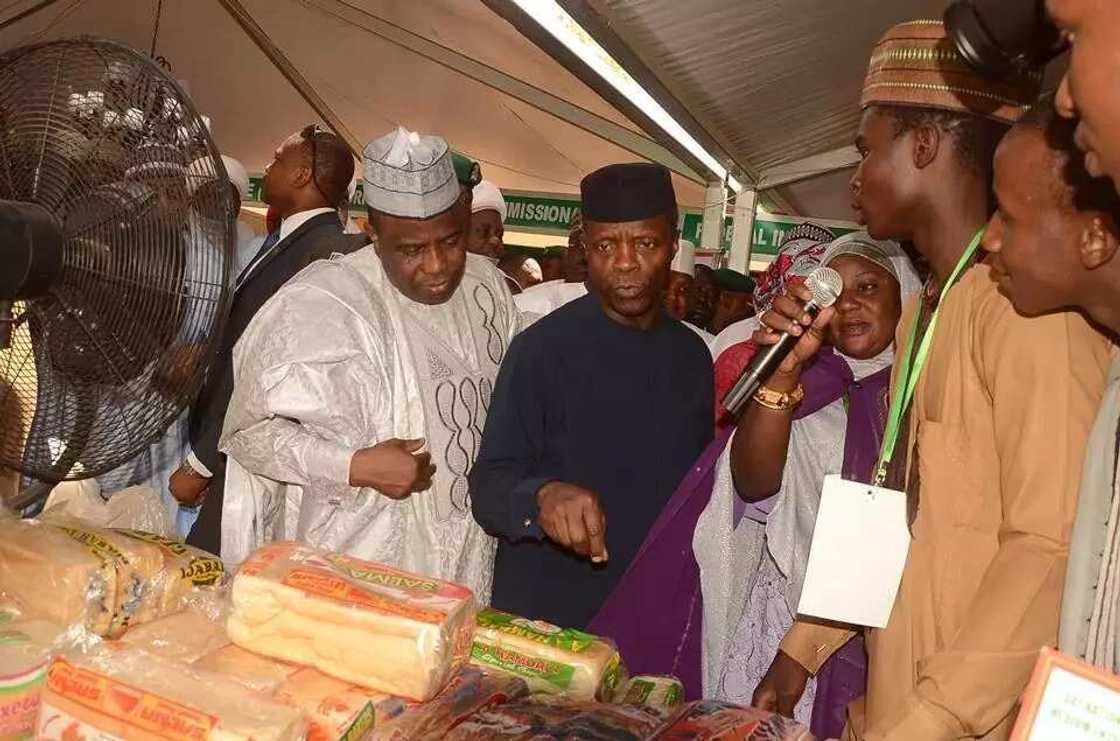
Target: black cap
pixel 734 281
pixel 627 192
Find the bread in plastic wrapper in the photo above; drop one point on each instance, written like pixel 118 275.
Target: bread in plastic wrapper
pixel 184 636
pixel 709 720
pixel 26 646
pixel 337 710
pixel 550 659
pixel 657 691
pixel 72 573
pixel 250 670
pixel 470 691
pixel 185 569
pixel 59 577
pixel 534 721
pixel 373 625
pixel 131 695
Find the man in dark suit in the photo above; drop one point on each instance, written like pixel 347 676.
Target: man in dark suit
pixel 306 183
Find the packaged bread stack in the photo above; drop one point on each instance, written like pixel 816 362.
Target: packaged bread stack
pixel 552 660
pixel 106 580
pixel 26 645
pixel 362 622
pixel 124 694
pixel 335 710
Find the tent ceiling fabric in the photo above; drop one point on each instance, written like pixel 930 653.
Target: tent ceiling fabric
pixel 371 83
pixel 780 80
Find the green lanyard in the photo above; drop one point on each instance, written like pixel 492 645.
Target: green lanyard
pixel 913 363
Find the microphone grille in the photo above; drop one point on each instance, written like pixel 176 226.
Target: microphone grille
pixel 826 285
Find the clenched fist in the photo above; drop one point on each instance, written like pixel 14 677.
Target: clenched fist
pixel 393 468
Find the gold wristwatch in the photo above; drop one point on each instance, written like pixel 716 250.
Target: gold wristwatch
pixel 779 401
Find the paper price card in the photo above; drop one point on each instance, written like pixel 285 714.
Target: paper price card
pixel 1069 700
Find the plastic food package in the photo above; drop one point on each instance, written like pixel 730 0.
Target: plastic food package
pixel 363 622
pixel 184 636
pixel 185 568
pixel 134 508
pixel 58 577
pixel 709 720
pixel 25 651
pixel 550 659
pixel 336 710
pixel 652 690
pixel 250 670
pixel 531 721
pixel 106 580
pixel 131 695
pixel 470 691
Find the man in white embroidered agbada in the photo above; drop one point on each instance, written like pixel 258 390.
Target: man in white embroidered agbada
pixel 362 386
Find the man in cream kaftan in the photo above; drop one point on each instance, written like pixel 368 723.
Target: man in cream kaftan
pixel 338 361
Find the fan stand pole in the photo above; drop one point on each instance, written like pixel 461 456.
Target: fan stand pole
pixel 293 75
pixel 35 492
pixel 6 323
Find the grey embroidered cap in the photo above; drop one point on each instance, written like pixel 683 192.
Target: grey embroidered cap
pixel 409 175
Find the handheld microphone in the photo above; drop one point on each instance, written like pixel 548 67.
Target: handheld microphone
pixel 826 285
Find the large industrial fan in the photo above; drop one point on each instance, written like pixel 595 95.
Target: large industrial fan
pixel 116 236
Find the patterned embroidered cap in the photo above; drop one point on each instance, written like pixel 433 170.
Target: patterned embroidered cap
pixel 915 64
pixel 409 175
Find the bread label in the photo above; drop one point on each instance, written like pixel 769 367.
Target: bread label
pixel 19 700
pixel 202 570
pixel 96 544
pixel 538 631
pixel 530 667
pixel 326 584
pixel 380 575
pixel 78 698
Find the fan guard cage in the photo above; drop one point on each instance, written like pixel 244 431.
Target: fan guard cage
pixel 110 145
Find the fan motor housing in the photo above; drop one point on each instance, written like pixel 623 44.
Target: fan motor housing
pixel 30 250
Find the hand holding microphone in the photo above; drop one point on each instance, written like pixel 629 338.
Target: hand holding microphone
pixel 789 334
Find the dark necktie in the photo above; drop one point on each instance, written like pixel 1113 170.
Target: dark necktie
pixel 269 242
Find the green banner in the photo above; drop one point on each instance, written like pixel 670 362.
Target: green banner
pixel 769 230
pixel 551 214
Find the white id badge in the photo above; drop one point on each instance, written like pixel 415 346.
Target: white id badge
pixel 859 549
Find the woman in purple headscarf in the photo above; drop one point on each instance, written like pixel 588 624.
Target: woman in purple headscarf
pixel 753 568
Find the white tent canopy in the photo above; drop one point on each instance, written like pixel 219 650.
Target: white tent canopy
pixel 774 85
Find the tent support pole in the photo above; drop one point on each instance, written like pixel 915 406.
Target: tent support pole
pixel 711 228
pixel 297 80
pixel 743 236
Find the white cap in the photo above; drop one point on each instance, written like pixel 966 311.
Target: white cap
pixel 487 197
pixel 409 175
pixel 685 261
pixel 238 176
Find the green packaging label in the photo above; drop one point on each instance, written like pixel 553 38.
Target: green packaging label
pixel 527 667
pixel 538 631
pixel 638 692
pixel 611 675
pixel 361 725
